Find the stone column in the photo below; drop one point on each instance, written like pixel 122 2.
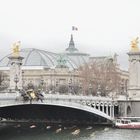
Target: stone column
pixel 103 108
pixel 134 75
pixel 99 107
pixel 112 111
pixel 15 72
pixel 107 109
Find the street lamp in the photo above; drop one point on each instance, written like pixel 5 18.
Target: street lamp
pixel 56 87
pixel 126 88
pixel 70 86
pixel 90 89
pixel 80 88
pixel 99 90
pixel 16 80
pixel 42 83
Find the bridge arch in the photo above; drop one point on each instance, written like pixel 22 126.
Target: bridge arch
pixel 66 104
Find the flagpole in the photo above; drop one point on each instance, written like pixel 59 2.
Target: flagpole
pixel 74 28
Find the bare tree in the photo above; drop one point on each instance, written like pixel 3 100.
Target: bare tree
pixel 3 81
pixel 1 78
pixel 85 74
pixel 75 89
pixel 63 89
pixel 100 76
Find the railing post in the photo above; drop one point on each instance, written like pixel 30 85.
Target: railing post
pixel 103 108
pixel 107 109
pixel 113 111
pixel 110 108
pixel 99 107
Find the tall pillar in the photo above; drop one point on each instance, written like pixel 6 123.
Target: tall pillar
pixel 15 68
pixel 134 71
pixel 103 108
pixel 113 111
pixel 110 110
pixel 107 109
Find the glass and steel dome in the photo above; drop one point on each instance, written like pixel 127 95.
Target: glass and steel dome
pixel 33 57
pixel 37 57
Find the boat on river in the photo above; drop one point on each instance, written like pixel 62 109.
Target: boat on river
pixel 128 123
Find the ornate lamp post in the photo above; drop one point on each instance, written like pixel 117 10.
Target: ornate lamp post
pixel 106 90
pixel 90 89
pixel 42 84
pixel 16 80
pixel 70 86
pixel 56 87
pixel 126 88
pixel 99 90
pixel 80 88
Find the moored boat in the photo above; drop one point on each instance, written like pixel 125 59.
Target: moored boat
pixel 128 123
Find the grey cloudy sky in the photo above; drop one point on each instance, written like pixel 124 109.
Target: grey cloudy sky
pixel 104 26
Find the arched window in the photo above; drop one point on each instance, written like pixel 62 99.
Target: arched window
pixel 128 110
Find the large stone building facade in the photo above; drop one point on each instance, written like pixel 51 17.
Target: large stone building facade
pixel 49 70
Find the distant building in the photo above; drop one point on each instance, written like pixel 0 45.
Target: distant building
pixel 50 70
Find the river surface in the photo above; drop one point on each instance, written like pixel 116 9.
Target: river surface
pixel 58 132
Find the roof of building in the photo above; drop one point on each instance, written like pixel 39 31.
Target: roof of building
pixel 37 57
pixel 71 48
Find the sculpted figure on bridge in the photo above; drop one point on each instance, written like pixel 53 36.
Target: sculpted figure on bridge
pixel 134 45
pixel 16 47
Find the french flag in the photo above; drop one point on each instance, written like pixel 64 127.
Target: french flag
pixel 74 28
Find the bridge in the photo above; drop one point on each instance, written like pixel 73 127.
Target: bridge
pixel 103 107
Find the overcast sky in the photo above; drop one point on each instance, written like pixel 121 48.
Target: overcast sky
pixel 104 26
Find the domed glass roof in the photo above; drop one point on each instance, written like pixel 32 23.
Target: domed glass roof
pixel 33 57
pixel 36 57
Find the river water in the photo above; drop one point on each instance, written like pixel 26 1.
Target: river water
pixel 58 132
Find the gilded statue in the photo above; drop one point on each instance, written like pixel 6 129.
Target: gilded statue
pixel 16 47
pixel 134 44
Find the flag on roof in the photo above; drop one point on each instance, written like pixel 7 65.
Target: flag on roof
pixel 74 28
